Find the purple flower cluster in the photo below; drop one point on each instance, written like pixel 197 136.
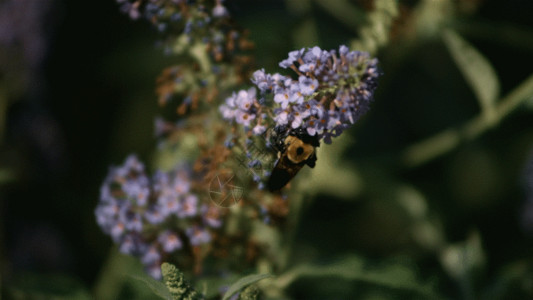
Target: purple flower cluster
pixel 244 108
pixel 165 12
pixel 152 218
pixel 202 20
pixel 331 93
pixel 154 10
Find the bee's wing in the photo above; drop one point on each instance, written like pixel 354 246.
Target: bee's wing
pixel 282 173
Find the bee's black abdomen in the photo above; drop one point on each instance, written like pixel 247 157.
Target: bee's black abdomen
pixel 278 179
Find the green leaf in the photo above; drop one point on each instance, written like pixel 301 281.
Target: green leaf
pixel 507 279
pixel 344 268
pixel 157 287
pixel 344 11
pixel 6 176
pixel 477 71
pixel 392 275
pixel 375 33
pixel 31 285
pixel 117 275
pixel 209 286
pixel 243 283
pixel 306 33
pixel 462 261
pixel 333 175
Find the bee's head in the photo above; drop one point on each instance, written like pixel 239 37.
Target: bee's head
pixel 277 137
pixel 306 138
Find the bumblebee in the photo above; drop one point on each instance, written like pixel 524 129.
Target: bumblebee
pixel 295 149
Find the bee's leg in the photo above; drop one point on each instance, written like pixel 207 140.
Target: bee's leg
pixel 311 161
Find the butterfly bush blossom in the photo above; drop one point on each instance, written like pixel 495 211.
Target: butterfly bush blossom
pixel 201 20
pixel 154 218
pixel 332 91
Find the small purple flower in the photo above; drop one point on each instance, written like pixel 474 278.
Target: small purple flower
pixel 298 115
pixel 220 11
pixel 282 97
pixel 231 101
pixel 281 118
pixel 334 119
pixel 228 143
pixel 170 241
pixel 161 127
pixel 188 207
pixel 133 164
pixel 181 185
pixel 132 221
pixel 211 216
pixel 169 204
pixel 244 118
pixel 117 230
pixel 107 212
pixel 307 85
pixel 160 181
pixel 311 126
pixel 132 244
pixel 256 178
pixel 343 50
pixel 259 129
pixel 329 134
pixel 154 270
pixel 245 99
pixel 280 80
pixel 175 17
pixel 131 9
pixel 293 56
pixel 105 193
pixel 261 186
pixel 137 193
pixel 198 235
pixel 347 115
pixel 314 108
pixel 161 27
pixel 254 164
pixel 296 95
pixel 189 25
pixel 151 255
pixel 227 112
pixel 262 80
pixel 323 122
pixel 155 214
pixel 240 107
pixel 310 58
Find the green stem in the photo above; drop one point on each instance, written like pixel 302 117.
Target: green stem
pixel 505 34
pixel 199 53
pixel 345 12
pixel 296 205
pixel 447 140
pixel 112 275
